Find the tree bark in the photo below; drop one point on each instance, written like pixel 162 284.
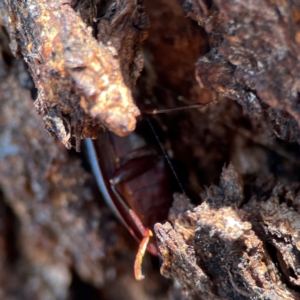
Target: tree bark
pixel 98 64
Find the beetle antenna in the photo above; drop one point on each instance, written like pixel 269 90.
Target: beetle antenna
pixel 166 156
pixel 190 106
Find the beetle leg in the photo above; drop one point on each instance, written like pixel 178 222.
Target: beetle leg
pixel 147 233
pixel 140 255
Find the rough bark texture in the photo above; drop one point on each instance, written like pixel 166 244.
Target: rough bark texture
pixel 237 234
pixel 254 57
pixel 79 80
pixel 229 245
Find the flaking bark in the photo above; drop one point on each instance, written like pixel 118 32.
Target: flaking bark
pixel 230 244
pixel 79 80
pixel 254 57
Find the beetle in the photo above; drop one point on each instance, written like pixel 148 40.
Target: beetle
pixel 135 181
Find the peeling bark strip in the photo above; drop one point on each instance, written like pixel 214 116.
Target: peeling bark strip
pixel 254 57
pixel 79 81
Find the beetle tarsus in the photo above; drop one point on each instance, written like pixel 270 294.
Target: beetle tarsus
pixel 140 255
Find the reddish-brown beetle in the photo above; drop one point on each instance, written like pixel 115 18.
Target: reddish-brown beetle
pixel 136 183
